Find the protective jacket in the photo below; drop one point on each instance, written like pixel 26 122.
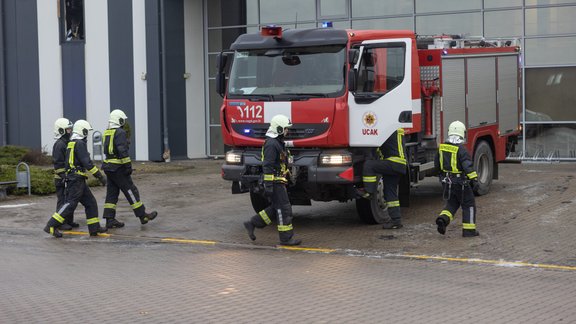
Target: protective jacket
pixel 393 150
pixel 59 156
pixel 454 162
pixel 78 160
pixel 275 160
pixel 116 150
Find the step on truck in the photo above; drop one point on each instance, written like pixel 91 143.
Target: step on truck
pixel 347 91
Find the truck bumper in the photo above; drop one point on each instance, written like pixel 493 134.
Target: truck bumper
pixel 305 165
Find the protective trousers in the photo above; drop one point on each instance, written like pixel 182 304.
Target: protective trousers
pixel 121 180
pixel 61 198
pixel 390 179
pixel 77 191
pixel 281 210
pixel 460 195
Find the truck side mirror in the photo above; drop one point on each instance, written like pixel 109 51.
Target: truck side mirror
pixel 353 54
pixel 221 60
pixel 352 76
pixel 221 84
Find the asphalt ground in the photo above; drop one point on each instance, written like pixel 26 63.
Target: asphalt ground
pixel 527 216
pixel 195 263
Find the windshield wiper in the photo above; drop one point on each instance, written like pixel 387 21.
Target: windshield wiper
pixel 301 96
pixel 253 97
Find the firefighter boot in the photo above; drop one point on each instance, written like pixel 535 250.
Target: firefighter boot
pixel 362 193
pixel 148 217
pixel 392 225
pixel 470 233
pixel 291 242
pixel 113 223
pixel 74 225
pixel 98 230
pixel 65 227
pixel 52 231
pixel 250 229
pixel 442 222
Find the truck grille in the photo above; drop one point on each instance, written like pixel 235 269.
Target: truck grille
pixel 297 131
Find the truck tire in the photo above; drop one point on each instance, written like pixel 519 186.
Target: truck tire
pixel 484 166
pixel 373 211
pixel 258 201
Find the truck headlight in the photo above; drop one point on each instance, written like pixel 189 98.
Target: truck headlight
pixel 233 157
pixel 336 159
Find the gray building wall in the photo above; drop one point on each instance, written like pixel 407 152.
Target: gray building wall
pixel 121 58
pixel 21 77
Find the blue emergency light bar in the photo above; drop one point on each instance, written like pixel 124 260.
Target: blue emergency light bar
pixel 327 24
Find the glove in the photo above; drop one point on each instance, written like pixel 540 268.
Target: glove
pixel 100 177
pixel 128 170
pixel 268 189
pixel 475 185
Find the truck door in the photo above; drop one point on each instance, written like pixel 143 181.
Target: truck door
pixel 382 101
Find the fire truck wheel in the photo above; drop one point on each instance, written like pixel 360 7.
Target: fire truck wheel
pixel 258 201
pixel 484 165
pixel 373 211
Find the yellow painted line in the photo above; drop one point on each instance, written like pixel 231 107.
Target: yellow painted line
pixel 294 248
pixel 495 262
pixel 175 240
pixel 84 233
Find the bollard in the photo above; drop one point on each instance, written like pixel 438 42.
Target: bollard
pixel 23 177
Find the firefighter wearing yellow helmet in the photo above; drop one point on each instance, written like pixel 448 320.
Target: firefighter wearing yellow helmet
pixel 459 180
pixel 118 168
pixel 77 165
pixel 275 178
pixel 62 132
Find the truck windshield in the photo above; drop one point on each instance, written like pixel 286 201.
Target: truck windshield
pixel 288 73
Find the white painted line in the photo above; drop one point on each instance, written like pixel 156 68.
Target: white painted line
pixel 15 206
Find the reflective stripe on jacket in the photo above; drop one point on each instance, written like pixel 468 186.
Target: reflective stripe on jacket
pixel 275 160
pixel 454 159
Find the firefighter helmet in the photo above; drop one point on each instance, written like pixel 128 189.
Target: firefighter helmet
pixel 118 117
pixel 278 126
pixel 457 128
pixel 60 127
pixel 82 127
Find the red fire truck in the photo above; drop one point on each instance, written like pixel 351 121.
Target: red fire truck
pixel 347 91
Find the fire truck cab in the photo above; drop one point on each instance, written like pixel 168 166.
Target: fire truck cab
pixel 347 91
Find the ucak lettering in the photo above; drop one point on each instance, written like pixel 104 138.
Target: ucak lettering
pixel 369 131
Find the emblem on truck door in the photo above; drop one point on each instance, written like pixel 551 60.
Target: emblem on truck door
pixel 369 119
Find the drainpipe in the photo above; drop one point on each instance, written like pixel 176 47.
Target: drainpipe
pixel 3 111
pixel 166 154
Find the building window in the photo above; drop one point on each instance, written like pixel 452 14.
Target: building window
pixel 72 20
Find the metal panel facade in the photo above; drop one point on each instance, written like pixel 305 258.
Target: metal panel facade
pixel 481 91
pixel 453 92
pixel 508 91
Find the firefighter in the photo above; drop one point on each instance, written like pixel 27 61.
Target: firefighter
pixel 275 172
pixel 62 132
pixel 391 165
pixel 77 191
pixel 118 168
pixel 459 181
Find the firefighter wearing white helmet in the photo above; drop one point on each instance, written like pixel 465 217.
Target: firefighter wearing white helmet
pixel 459 180
pixel 275 178
pixel 391 166
pixel 118 168
pixel 77 165
pixel 62 132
